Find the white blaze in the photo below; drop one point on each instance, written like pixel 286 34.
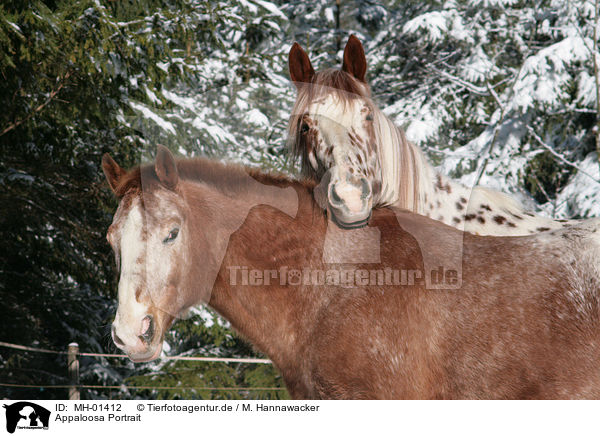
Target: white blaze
pixel 336 120
pixel 130 312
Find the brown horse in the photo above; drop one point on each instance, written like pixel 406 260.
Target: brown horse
pixel 524 324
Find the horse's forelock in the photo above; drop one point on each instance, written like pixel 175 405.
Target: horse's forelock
pixel 131 182
pixel 343 82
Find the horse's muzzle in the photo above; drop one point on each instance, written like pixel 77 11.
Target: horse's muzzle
pixel 350 202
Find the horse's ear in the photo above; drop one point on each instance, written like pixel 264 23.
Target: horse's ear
pixel 166 168
pixel 355 62
pixel 112 171
pixel 301 70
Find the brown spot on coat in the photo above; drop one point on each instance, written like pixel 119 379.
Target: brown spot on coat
pixel 499 219
pixel 138 294
pixel 440 185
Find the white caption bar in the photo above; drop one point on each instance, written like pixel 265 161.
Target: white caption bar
pixel 297 417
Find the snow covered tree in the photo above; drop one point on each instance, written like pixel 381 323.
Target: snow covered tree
pixel 500 93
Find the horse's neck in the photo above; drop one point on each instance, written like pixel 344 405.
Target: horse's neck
pixel 405 172
pixel 252 290
pixel 444 199
pixel 478 210
pixel 409 181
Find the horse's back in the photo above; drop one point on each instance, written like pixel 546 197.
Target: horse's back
pixel 524 324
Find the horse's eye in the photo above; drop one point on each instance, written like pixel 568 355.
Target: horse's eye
pixel 171 236
pixel 304 128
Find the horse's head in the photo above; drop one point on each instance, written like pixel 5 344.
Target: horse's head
pixel 331 130
pixel 149 236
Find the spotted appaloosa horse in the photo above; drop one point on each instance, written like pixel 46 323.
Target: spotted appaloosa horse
pixel 339 133
pixel 525 324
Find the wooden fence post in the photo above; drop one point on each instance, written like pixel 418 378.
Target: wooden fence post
pixel 73 365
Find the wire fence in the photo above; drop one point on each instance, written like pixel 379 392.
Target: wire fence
pixel 124 356
pixel 160 388
pixel 128 387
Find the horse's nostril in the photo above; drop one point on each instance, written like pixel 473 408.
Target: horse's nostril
pixel 147 329
pixel 116 339
pixel 334 198
pixel 366 188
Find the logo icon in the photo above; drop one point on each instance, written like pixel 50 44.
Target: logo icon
pixel 26 415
